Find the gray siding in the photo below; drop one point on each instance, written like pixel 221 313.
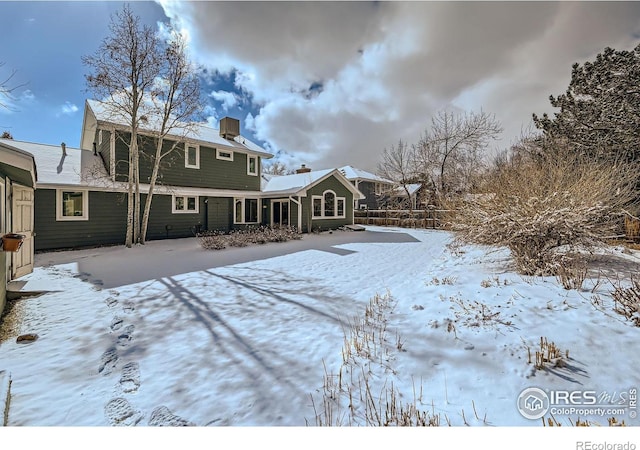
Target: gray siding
pixel 106 224
pixel 107 221
pixel 213 173
pixel 104 148
pixel 369 190
pixel 219 214
pixel 310 224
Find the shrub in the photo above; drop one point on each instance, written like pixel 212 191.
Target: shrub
pixel 217 240
pixel 627 301
pixel 541 207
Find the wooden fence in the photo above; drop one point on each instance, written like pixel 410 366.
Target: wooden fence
pixel 632 227
pixel 420 218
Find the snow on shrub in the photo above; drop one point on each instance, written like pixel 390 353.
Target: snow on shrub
pixel 546 206
pixel 217 240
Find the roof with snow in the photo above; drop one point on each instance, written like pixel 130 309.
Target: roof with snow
pixel 56 167
pixel 96 111
pixel 296 183
pixel 400 191
pixel 353 173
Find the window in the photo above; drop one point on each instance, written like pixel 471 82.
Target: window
pixel 328 206
pixel 317 206
pixel 72 205
pixel 224 155
pixel 183 204
pixel 192 156
pixel 99 137
pixel 252 165
pixel 245 210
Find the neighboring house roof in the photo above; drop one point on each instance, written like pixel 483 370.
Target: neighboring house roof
pixel 96 111
pixel 17 163
pixel 353 173
pixel 299 183
pixel 400 191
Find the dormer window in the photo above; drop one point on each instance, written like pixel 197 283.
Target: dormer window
pixel 192 156
pixel 224 155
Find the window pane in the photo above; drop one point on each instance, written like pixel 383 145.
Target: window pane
pixel 252 165
pixel 238 211
pixel 329 204
pixel 179 203
pixel 340 207
pixel 72 204
pixel 191 203
pixel 317 207
pixel 251 210
pixel 192 157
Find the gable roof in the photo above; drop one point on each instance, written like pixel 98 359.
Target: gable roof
pixel 299 183
pixel 17 163
pixel 353 173
pixel 95 112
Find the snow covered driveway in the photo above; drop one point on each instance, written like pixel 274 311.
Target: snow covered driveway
pixel 248 343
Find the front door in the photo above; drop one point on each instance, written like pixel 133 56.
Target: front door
pixel 22 221
pixel 279 213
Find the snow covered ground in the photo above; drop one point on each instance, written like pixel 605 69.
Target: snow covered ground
pixel 255 343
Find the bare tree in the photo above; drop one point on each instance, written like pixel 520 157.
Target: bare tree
pixel 398 164
pixel 278 168
pixel 449 153
pixel 6 89
pixel 175 103
pixel 125 67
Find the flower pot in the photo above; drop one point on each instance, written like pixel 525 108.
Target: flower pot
pixel 12 242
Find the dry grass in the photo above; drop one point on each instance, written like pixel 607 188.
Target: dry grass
pixel 548 355
pixel 627 301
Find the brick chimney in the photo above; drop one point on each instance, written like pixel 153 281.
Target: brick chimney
pixel 303 169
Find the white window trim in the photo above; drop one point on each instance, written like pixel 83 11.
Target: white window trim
pixel 85 205
pixel 186 156
pixel 323 216
pixel 244 203
pixel 249 158
pixel 224 158
pixel 185 211
pixel 99 137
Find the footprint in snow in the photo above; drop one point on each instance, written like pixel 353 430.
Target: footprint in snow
pixel 130 378
pixel 128 307
pixel 163 417
pixel 111 302
pixel 116 323
pixel 119 412
pixel 108 361
pixel 126 336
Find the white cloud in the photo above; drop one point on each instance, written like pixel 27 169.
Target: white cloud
pixel 337 82
pixel 228 99
pixel 68 109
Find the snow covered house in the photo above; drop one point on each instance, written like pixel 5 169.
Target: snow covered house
pixel 17 181
pixel 380 192
pixel 211 181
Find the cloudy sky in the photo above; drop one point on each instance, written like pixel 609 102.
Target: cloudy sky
pixel 323 83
